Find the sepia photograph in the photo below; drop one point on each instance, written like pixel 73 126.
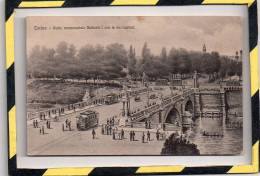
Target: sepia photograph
pixel 134 85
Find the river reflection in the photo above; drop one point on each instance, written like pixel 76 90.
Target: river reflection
pixel 230 144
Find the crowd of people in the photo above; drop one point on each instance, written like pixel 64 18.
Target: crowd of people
pixel 109 128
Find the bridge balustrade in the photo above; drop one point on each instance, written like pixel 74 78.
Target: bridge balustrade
pixel 94 101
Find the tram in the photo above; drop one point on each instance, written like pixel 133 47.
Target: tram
pixel 87 120
pixel 111 99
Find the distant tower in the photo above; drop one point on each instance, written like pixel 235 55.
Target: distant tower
pixel 204 49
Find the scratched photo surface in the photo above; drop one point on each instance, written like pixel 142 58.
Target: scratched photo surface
pixel 134 85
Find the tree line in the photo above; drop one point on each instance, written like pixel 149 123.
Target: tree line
pixel 115 61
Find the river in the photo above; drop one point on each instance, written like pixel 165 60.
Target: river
pixel 230 144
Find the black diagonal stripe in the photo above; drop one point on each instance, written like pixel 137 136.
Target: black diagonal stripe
pixel 10 5
pixel 14 171
pixel 255 117
pixel 253 30
pixel 179 2
pixel 205 170
pixel 113 171
pixel 86 3
pixel 10 87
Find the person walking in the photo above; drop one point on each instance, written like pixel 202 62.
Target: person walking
pixel 143 137
pixel 102 130
pixel 157 135
pixel 69 124
pixel 146 125
pixel 133 135
pixel 110 129
pixel 36 124
pixel 114 135
pixel 93 133
pixel 122 134
pixel 66 122
pixel 43 130
pixel 130 135
pixel 148 136
pixel 164 127
pixel 107 130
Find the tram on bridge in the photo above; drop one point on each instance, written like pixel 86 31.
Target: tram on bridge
pixel 111 99
pixel 87 120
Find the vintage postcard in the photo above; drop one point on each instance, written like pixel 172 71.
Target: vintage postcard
pixel 134 85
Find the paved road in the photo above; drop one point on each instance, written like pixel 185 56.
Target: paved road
pixel 57 142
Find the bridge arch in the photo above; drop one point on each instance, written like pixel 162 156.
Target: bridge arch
pixel 189 106
pixel 172 116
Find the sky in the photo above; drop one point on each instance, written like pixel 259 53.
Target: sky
pixel 220 33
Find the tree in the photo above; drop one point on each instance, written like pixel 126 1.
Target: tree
pixel 131 61
pixel 163 55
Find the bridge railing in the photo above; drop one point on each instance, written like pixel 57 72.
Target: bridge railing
pixel 139 115
pixel 53 112
pixel 167 126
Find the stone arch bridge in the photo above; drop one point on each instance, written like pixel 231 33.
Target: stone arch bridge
pixel 190 104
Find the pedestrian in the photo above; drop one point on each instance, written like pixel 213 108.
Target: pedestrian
pixel 106 129
pixel 47 123
pixel 143 137
pixel 146 125
pixel 42 129
pixel 110 129
pixel 164 127
pixel 148 136
pixel 122 134
pixel 114 135
pixel 66 122
pixel 36 123
pixel 113 120
pixel 69 124
pixel 130 135
pixel 102 130
pixel 107 122
pixel 133 136
pixel 93 133
pixel 157 135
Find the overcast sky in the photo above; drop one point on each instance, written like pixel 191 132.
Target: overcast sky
pixel 222 34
